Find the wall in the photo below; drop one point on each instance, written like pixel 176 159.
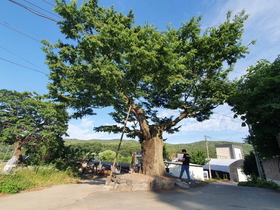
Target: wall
pixel 229 151
pixel 272 170
pixel 237 153
pixel 223 153
pixel 196 171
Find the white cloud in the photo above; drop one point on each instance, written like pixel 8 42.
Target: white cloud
pixel 216 123
pixel 86 122
pixel 263 23
pixel 222 120
pixel 83 130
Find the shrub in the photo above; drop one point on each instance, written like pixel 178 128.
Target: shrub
pixel 33 177
pixel 10 184
pixel 254 181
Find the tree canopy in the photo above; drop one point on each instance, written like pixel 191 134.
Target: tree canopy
pixel 28 121
pixel 257 101
pixel 107 61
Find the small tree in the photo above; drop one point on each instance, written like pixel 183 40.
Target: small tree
pixel 28 120
pixel 198 157
pixel 109 62
pixel 250 166
pixel 107 155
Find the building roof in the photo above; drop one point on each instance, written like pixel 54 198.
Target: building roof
pixel 220 164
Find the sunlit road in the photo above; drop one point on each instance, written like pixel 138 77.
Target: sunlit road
pixel 215 196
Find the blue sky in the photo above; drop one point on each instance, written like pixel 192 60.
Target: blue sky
pixel 22 60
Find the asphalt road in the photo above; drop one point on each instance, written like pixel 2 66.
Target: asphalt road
pixel 89 195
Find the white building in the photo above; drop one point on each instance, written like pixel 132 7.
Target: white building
pixel 229 151
pixel 227 169
pixel 196 171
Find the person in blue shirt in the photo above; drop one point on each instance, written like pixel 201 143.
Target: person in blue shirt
pixel 185 165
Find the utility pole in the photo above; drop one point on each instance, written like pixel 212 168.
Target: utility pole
pixel 207 150
pixel 256 157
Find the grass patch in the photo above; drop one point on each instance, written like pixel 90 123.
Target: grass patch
pixel 215 180
pixel 35 177
pixel 257 182
pixel 261 184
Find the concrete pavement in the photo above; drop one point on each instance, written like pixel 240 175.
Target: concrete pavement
pixel 89 195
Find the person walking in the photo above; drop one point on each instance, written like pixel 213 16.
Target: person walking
pixel 185 165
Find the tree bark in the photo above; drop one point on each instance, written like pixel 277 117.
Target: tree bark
pixel 152 157
pixel 151 144
pixel 18 152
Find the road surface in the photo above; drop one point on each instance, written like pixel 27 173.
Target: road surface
pixel 89 195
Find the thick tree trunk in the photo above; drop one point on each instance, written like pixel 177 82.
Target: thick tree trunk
pixel 151 143
pixel 152 159
pixel 18 152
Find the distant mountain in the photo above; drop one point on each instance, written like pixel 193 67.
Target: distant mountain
pixel 103 141
pixel 200 145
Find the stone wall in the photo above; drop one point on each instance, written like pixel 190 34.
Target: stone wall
pixel 137 182
pixel 272 170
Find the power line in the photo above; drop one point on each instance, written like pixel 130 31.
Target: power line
pixel 19 56
pixel 18 30
pixel 36 12
pixel 226 116
pixel 24 66
pixel 237 72
pixel 41 8
pixel 33 11
pixel 49 3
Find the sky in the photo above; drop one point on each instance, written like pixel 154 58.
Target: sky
pixel 23 68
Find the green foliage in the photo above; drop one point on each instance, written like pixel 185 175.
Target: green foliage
pixel 29 121
pixel 76 149
pixel 198 157
pixel 257 101
pixel 122 159
pixel 166 153
pixel 107 155
pixel 129 146
pixel 107 61
pixel 201 146
pixel 40 176
pixel 141 66
pixel 6 151
pixel 250 166
pixel 254 181
pixel 10 184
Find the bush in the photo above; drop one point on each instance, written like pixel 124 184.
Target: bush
pixel 254 181
pixel 10 184
pixel 107 155
pixel 34 177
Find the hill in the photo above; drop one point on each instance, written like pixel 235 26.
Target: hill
pixel 110 141
pixel 173 148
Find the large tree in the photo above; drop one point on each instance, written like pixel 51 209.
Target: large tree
pixel 257 101
pixel 28 121
pixel 109 62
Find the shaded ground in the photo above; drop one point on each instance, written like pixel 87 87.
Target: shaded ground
pixel 88 195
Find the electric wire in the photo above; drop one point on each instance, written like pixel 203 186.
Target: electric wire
pixel 18 30
pixel 49 3
pixel 24 66
pixel 238 72
pixel 226 116
pixel 20 57
pixel 41 8
pixel 38 13
pixel 34 11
